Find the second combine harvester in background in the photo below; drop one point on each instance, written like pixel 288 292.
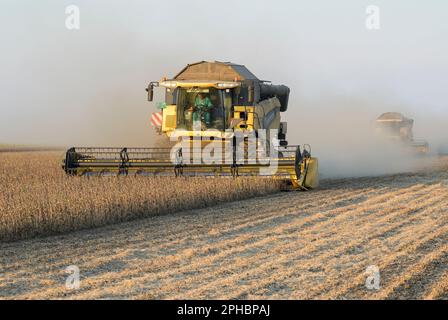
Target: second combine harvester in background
pixel 219 103
pixel 397 128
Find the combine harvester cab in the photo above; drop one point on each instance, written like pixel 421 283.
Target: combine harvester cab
pixel 218 106
pixel 397 128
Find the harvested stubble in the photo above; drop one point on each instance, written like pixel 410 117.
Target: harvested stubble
pixel 37 198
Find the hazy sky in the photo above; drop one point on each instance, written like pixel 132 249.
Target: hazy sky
pixel 67 87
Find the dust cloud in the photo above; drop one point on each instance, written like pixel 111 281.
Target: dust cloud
pixel 341 131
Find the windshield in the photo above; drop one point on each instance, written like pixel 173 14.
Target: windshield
pixel 395 129
pixel 390 127
pixel 200 104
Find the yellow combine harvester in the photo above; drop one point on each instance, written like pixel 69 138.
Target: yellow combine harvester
pixel 397 128
pixel 223 120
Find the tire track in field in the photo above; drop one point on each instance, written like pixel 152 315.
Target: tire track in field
pixel 439 289
pixel 391 265
pixel 361 255
pixel 303 259
pixel 416 279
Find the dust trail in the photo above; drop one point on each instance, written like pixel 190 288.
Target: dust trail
pixel 342 133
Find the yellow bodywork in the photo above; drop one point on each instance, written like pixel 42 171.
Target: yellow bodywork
pixel 246 114
pixel 310 178
pixel 169 118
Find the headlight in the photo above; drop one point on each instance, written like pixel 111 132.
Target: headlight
pixel 227 85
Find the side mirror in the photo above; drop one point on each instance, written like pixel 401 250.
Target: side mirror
pixel 150 90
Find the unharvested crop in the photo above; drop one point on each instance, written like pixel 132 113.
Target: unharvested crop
pixel 37 198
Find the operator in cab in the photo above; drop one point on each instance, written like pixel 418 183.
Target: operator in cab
pixel 202 105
